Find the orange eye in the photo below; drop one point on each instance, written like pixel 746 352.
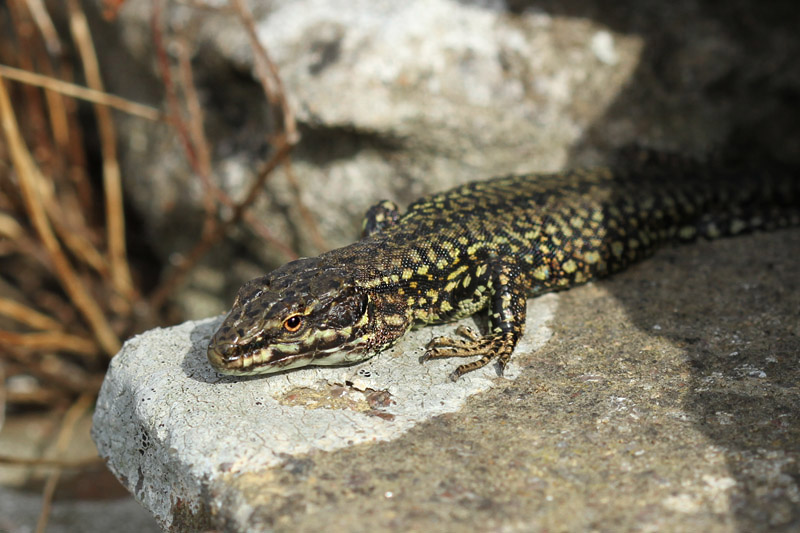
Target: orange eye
pixel 293 323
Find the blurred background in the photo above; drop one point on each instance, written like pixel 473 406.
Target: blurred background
pixel 156 154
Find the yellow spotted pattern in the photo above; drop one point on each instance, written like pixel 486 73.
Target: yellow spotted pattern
pixel 491 244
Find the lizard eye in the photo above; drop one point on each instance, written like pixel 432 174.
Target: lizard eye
pixel 293 323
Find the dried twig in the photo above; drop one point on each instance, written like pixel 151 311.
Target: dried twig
pixel 198 136
pixel 82 93
pixel 45 25
pixel 169 87
pixel 51 341
pixel 29 176
pixel 267 72
pixel 71 417
pixel 74 238
pixel 49 463
pixel 204 157
pixel 196 147
pixel 25 315
pixel 112 181
pixel 179 273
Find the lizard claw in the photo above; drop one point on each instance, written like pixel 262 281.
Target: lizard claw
pixel 497 346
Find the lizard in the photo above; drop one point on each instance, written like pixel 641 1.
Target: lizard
pixel 488 245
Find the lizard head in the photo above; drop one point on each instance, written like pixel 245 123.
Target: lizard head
pixel 303 313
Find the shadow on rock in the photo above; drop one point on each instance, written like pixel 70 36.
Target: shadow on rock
pixel 734 307
pixel 195 364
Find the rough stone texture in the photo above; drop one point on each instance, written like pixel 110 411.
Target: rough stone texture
pixel 174 431
pixel 395 99
pixel 666 400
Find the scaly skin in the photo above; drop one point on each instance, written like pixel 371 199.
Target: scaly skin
pixel 487 244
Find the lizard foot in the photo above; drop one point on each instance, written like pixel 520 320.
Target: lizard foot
pixel 493 346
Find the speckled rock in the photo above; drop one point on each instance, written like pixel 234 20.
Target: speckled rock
pixel 177 434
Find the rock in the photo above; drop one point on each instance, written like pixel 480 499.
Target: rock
pixel 396 99
pixel 176 433
pixel 393 99
pixel 612 424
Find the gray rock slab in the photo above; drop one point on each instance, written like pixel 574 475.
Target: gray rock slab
pixel 666 399
pixel 174 431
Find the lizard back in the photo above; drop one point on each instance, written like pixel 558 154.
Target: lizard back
pixel 489 244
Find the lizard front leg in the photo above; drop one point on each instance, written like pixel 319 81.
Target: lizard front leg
pixel 380 216
pixel 506 285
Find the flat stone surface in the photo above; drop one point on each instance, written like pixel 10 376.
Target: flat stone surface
pixel 665 400
pixel 171 426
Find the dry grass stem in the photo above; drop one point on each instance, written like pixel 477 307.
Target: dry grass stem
pixel 51 341
pixel 82 93
pixel 112 180
pixel 197 135
pixel 75 239
pixel 49 463
pixel 23 314
pixel 68 293
pixel 29 176
pixel 59 120
pixel 71 417
pixel 45 24
pixel 10 228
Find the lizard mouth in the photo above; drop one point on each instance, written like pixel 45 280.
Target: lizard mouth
pixel 224 359
pixel 230 359
pixel 233 359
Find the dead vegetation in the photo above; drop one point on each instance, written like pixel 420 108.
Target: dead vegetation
pixel 68 292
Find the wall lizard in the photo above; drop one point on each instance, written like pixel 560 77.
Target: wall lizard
pixel 488 245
